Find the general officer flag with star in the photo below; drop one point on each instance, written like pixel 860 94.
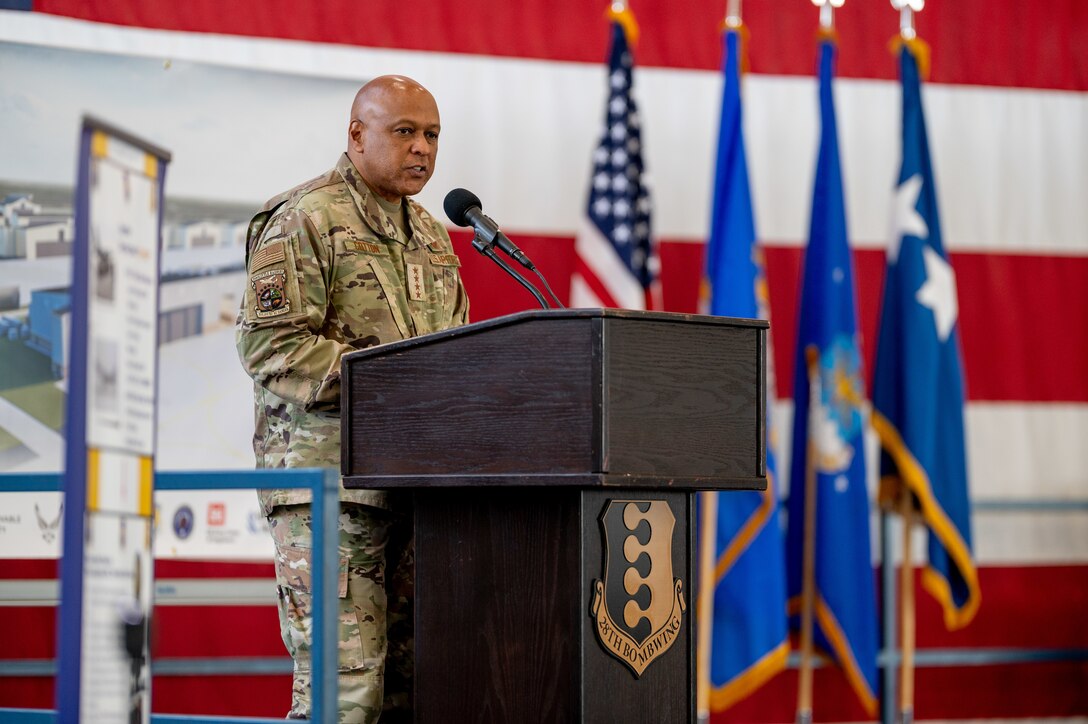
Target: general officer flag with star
pixel 748 639
pixel 828 427
pixel 918 391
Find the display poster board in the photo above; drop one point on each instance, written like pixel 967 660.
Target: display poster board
pixel 106 569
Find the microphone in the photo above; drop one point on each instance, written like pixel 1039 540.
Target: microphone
pixel 465 209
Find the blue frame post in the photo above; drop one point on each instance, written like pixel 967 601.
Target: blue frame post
pixel 889 651
pixel 325 511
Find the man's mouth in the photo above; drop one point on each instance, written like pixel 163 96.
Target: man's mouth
pixel 417 170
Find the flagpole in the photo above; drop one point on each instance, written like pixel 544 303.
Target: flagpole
pixel 827 13
pixel 908 622
pixel 707 536
pixel 808 582
pixel 906 588
pixel 732 14
pixel 906 9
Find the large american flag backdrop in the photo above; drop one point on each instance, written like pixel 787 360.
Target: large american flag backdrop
pixel 521 86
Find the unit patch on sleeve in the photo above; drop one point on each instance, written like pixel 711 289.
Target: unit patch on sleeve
pixel 270 293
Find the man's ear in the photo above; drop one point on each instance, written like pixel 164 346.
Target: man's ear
pixel 355 135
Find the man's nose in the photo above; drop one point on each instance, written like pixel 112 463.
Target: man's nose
pixel 421 145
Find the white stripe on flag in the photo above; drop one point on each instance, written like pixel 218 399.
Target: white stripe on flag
pixel 596 253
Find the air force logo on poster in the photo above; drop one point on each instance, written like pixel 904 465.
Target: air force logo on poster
pixel 638 606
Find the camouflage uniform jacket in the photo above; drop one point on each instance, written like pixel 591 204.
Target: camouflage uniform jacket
pixel 326 276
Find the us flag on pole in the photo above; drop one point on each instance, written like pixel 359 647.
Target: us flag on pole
pixel 616 261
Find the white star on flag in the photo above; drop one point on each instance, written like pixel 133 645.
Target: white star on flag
pixel 601 181
pixel 905 217
pixel 939 292
pixel 618 81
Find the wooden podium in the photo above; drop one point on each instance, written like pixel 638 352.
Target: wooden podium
pixel 553 458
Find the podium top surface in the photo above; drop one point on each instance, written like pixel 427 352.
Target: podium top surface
pixel 552 315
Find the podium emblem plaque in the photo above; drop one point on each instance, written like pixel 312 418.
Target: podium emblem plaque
pixel 638 605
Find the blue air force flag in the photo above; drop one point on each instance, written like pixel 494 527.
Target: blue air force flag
pixel 918 391
pixel 828 427
pixel 748 641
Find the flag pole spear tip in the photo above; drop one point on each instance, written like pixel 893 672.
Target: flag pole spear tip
pixel 827 13
pixel 906 9
pixel 732 14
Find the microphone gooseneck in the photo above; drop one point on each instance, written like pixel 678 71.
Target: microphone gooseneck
pixel 464 208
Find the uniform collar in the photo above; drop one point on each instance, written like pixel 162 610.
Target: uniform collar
pixel 371 211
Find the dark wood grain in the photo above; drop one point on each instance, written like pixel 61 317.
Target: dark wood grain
pixel 572 480
pixel 495 596
pixel 561 393
pixel 682 398
pixel 501 402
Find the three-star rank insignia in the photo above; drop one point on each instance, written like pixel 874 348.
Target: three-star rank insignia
pixel 269 289
pixel 638 605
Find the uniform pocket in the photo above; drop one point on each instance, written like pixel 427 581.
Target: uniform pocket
pixel 294 570
pixel 444 267
pixel 294 578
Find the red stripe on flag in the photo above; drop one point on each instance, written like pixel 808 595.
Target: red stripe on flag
pixel 1023 318
pixel 594 283
pixel 976 42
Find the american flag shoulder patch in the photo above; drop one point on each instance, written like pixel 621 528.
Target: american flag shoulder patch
pixel 270 254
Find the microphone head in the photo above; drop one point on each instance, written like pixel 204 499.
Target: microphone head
pixel 457 203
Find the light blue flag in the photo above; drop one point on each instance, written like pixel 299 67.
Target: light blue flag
pixel 749 639
pixel 918 391
pixel 828 428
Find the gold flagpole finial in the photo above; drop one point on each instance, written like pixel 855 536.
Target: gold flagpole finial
pixel 827 10
pixel 906 9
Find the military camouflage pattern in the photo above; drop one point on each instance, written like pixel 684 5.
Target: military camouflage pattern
pixel 326 275
pixel 329 272
pixel 375 641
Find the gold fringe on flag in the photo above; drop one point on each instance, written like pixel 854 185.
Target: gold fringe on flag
pixel 743 34
pixel 917 47
pixel 619 13
pixel 827 34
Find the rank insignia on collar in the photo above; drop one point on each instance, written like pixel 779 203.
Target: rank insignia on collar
pixel 638 606
pixel 269 289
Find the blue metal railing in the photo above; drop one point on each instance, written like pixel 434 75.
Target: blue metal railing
pixel 325 485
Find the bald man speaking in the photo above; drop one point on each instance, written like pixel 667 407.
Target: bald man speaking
pixel 344 262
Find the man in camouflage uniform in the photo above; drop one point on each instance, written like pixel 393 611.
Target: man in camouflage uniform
pixel 344 262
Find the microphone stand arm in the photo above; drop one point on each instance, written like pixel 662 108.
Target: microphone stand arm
pixel 488 250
